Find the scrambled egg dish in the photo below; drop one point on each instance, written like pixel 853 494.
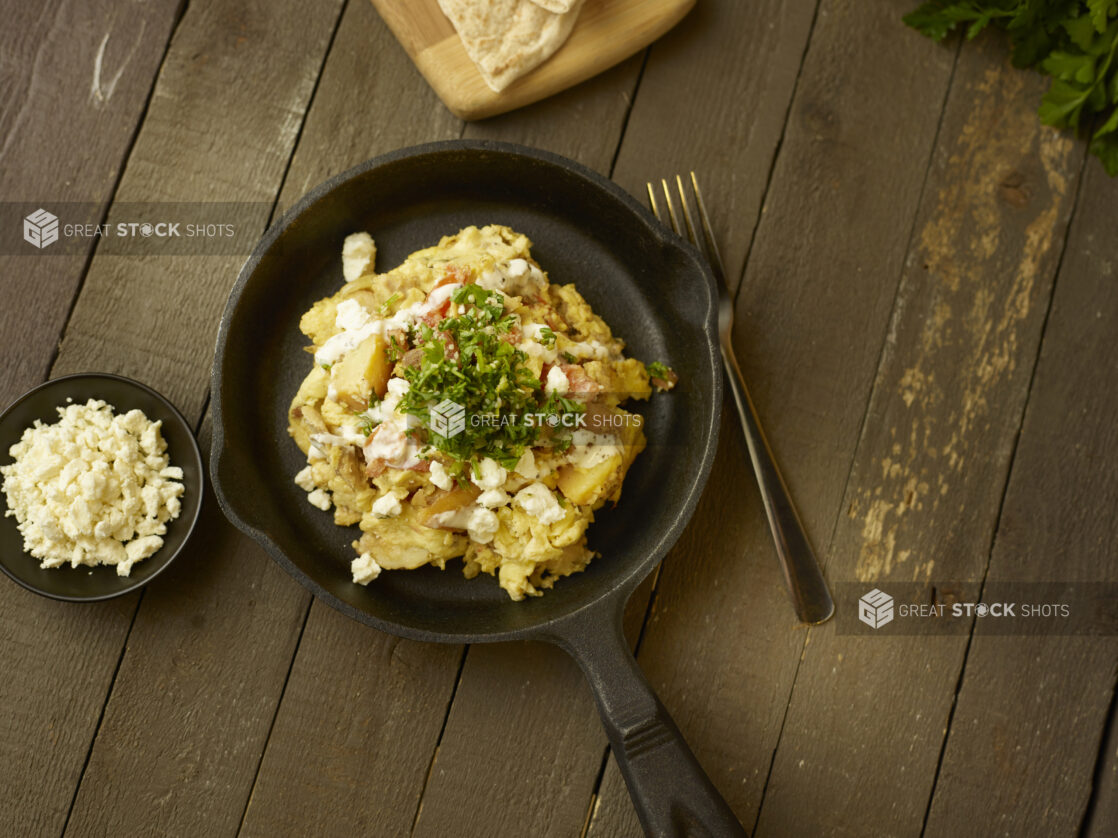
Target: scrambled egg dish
pixel 460 405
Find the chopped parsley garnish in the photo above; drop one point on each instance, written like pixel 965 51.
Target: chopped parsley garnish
pixel 394 351
pixel 387 304
pixel 485 301
pixel 547 337
pixel 662 376
pixel 468 359
pixel 366 423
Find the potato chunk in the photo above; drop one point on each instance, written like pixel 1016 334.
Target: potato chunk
pixel 362 372
pixel 447 501
pixel 586 486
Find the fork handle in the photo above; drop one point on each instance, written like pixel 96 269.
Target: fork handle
pixel 802 573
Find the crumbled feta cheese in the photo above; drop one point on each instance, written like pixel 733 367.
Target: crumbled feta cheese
pixel 492 498
pixel 437 297
pixel 304 480
pixel 592 350
pixel 93 488
pixel 517 278
pixel 358 254
pixel 439 475
pixel 557 381
pixel 492 475
pixel 320 498
pixel 539 502
pixel 398 387
pixel 390 440
pixel 364 569
pixel 534 349
pixel 387 506
pixel 482 525
pixel 351 315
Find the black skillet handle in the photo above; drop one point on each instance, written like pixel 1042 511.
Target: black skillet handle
pixel 672 794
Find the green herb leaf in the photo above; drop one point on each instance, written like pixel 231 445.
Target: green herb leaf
pixel 387 304
pixel 937 18
pixel 1101 11
pixel 1073 41
pixel 1062 104
pixel 1106 149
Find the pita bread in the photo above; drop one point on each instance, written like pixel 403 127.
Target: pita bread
pixel 556 6
pixel 508 38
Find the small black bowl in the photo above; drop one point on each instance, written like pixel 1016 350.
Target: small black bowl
pixel 90 584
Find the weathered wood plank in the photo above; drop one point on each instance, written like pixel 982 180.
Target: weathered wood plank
pixel 616 820
pixel 352 742
pixel 76 77
pixel 195 693
pixel 714 98
pixel 1102 816
pixel 205 139
pixel 923 496
pixel 1030 714
pixel 63 137
pixel 275 50
pixel 48 723
pixel 722 644
pixel 355 732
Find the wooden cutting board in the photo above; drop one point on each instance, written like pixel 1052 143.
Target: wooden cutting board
pixel 606 32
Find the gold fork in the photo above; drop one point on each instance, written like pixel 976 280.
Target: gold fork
pixel 802 573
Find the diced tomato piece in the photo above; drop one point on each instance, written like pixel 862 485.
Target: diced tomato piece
pixel 456 273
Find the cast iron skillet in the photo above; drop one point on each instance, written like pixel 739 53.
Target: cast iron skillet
pixel 648 285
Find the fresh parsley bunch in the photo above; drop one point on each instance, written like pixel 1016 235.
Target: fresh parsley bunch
pixel 1073 41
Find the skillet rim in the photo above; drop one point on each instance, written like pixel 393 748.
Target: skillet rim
pixel 608 597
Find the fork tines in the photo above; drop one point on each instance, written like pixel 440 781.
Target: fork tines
pixel 707 245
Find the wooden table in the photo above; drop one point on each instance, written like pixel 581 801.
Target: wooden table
pixel 928 299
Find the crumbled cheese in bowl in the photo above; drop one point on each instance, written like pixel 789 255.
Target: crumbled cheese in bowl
pixel 94 488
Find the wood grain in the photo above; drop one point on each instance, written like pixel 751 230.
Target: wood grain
pixel 195 694
pixel 351 746
pixel 722 646
pixel 240 706
pixel 76 78
pixel 191 149
pixel 62 138
pixel 730 68
pixel 1031 711
pixel 923 496
pixel 605 33
pixel 168 704
pixel 1101 819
